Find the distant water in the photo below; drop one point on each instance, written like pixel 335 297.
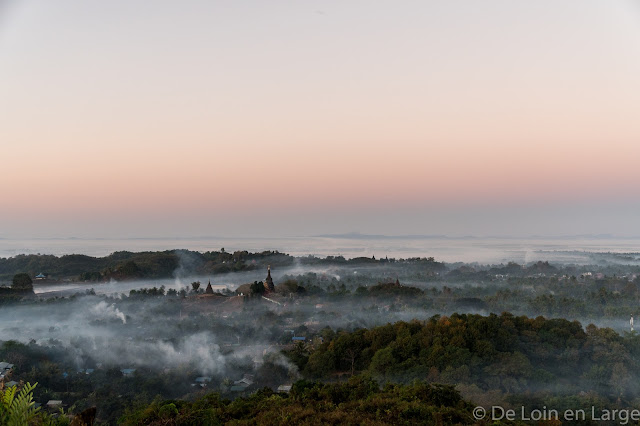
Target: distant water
pixel 481 250
pixel 114 287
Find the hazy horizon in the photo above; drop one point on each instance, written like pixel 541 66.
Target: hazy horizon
pixel 586 250
pixel 345 235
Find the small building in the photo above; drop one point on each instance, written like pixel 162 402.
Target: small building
pixel 11 384
pixel 5 369
pixel 202 381
pixel 298 338
pixel 128 372
pixel 5 366
pixel 54 404
pixel 243 382
pixel 41 276
pixel 284 388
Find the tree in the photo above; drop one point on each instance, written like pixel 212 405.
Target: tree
pixel 130 270
pixel 620 378
pixel 257 288
pixel 350 355
pixel 382 361
pixel 195 286
pixel 22 282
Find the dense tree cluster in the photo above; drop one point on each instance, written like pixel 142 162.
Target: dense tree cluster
pixel 127 265
pixel 504 353
pixel 358 401
pixel 22 282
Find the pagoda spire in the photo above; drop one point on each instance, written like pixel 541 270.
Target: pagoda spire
pixel 268 282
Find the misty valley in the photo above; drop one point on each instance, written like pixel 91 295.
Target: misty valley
pixel 185 337
pixel 319 213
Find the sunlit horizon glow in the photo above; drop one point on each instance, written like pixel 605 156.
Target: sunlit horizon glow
pixel 290 118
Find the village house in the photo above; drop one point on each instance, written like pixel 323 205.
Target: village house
pixel 5 369
pixel 243 384
pixel 202 381
pixel 54 405
pixel 128 372
pixel 284 388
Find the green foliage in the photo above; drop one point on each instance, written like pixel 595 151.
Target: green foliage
pixel 358 401
pixel 289 286
pixel 22 282
pixel 168 411
pixel 90 276
pixel 129 270
pixel 17 407
pixel 257 288
pixel 127 265
pixel 505 353
pixel 392 289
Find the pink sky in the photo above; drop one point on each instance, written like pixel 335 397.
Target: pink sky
pixel 120 118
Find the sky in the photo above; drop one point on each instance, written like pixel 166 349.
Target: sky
pixel 129 118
